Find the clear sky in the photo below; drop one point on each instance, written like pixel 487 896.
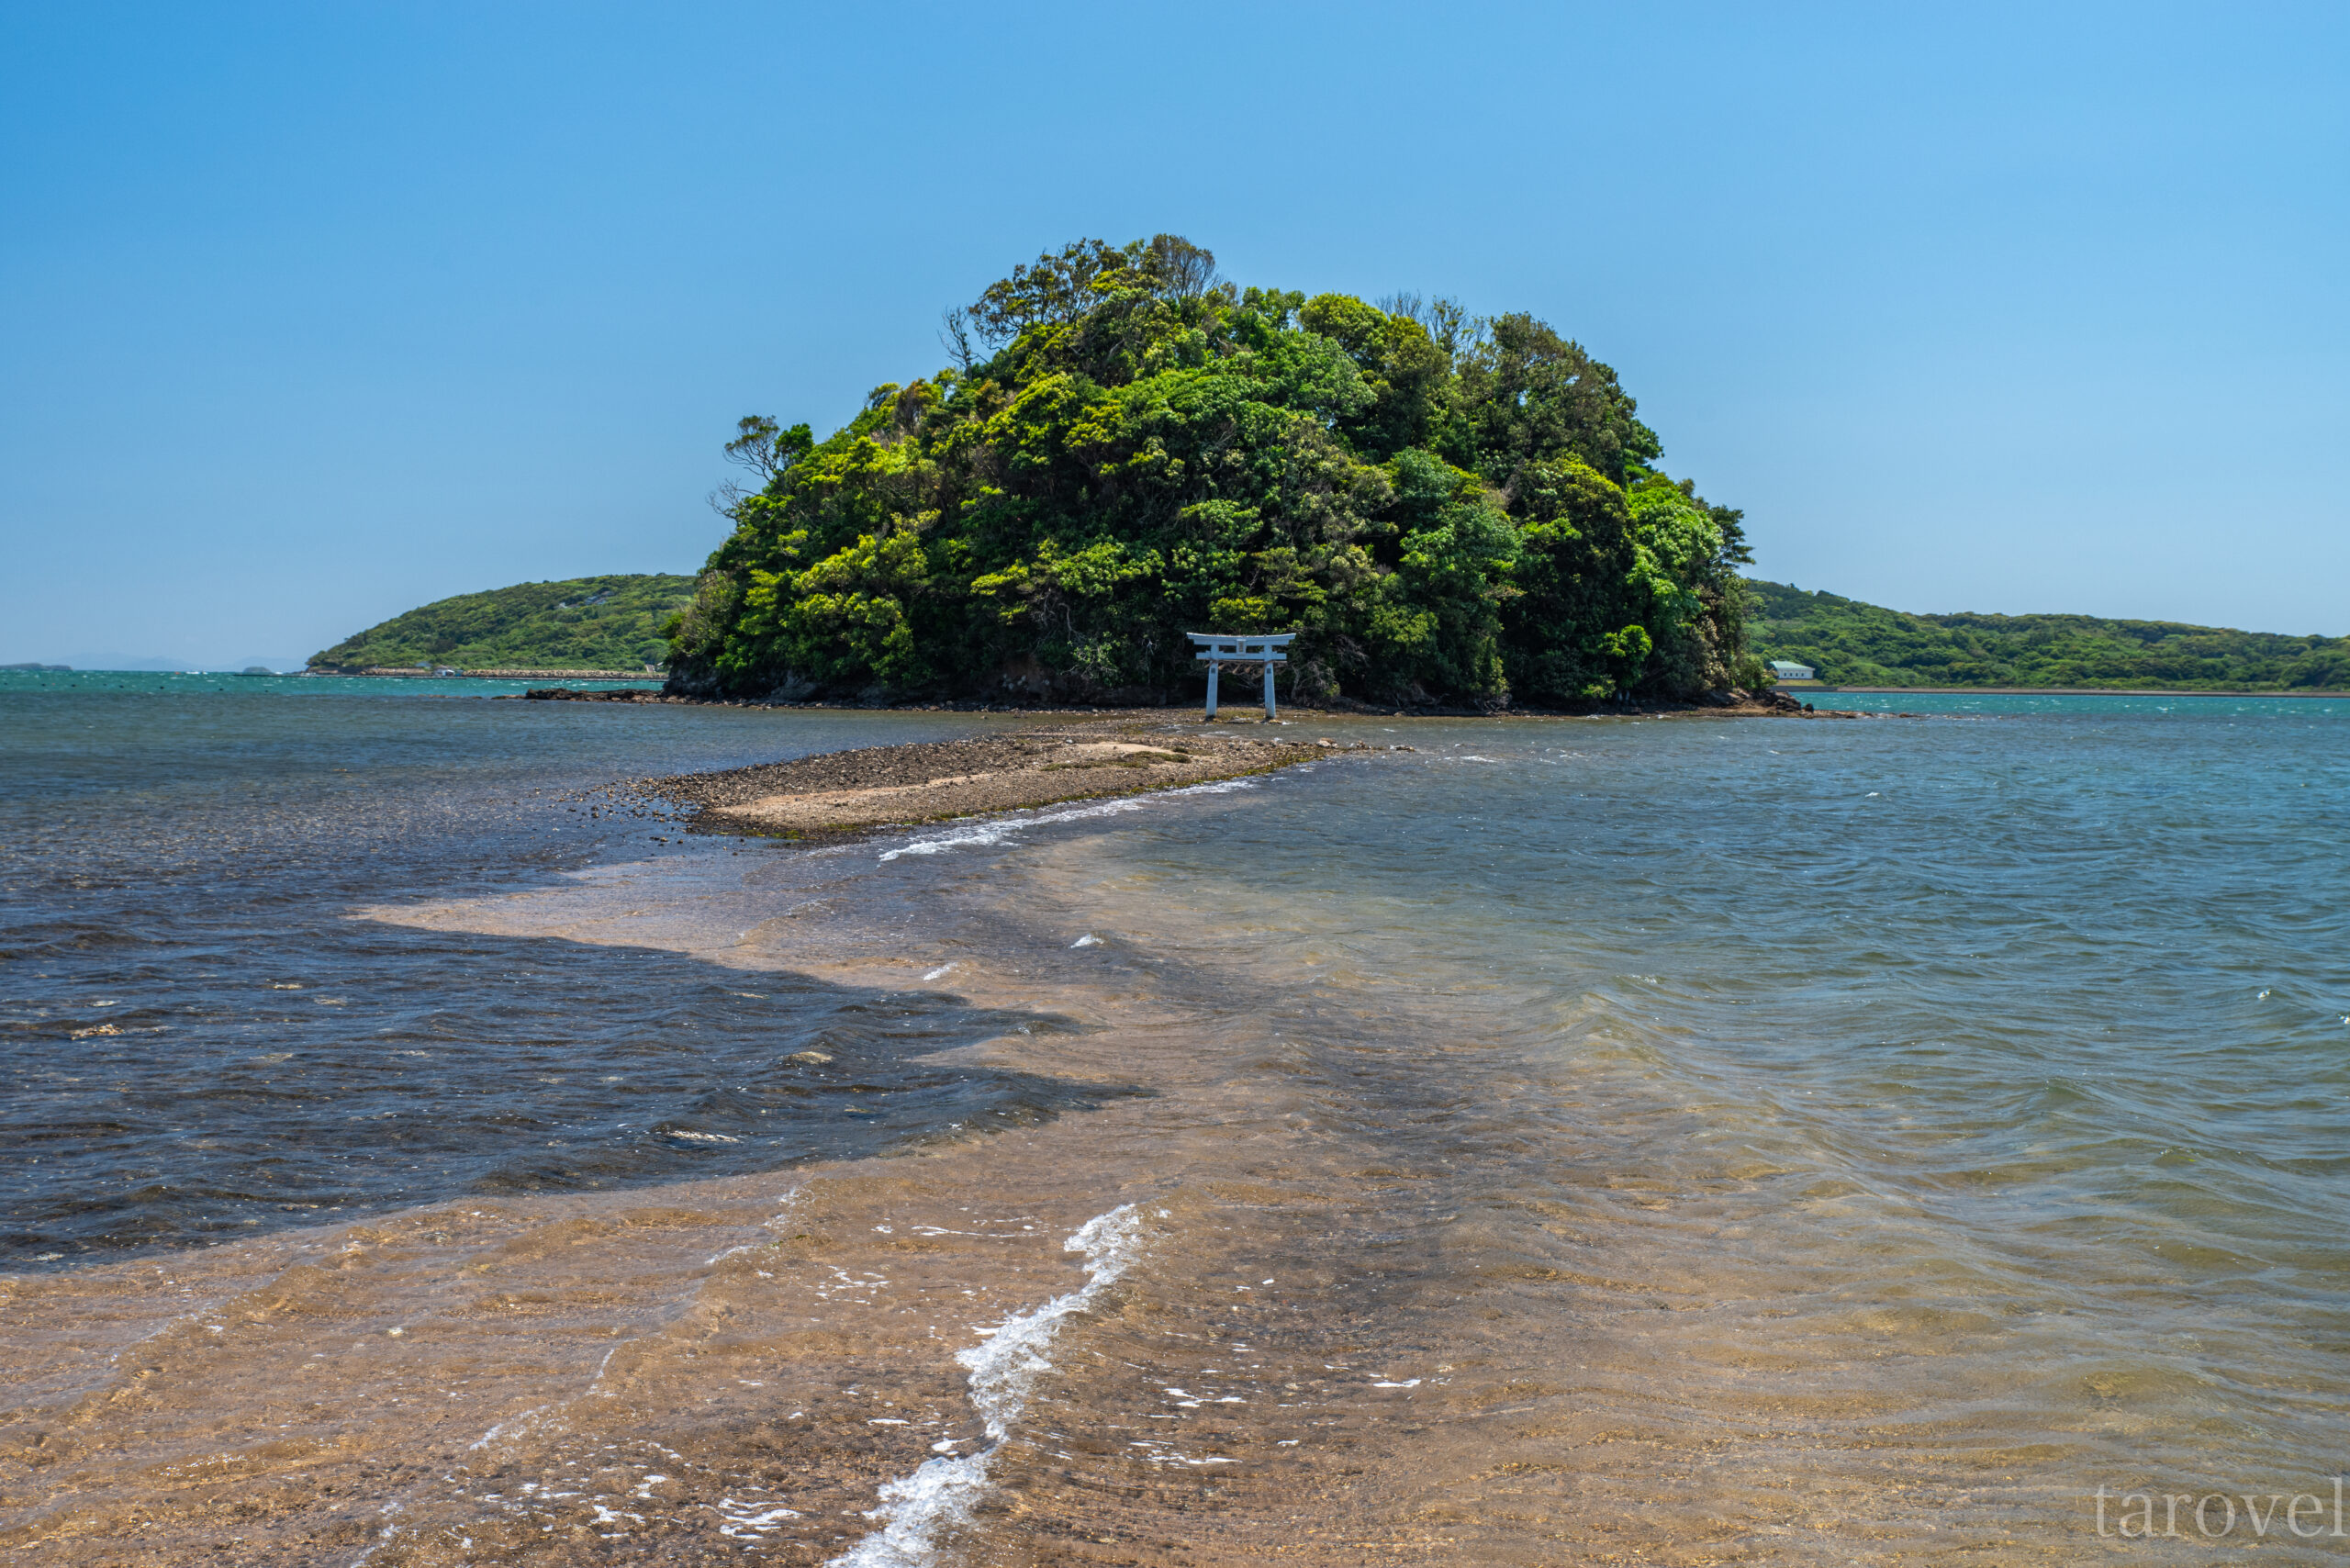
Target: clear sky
pixel 309 314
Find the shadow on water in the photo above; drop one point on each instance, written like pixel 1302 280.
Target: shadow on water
pixel 241 1085
pixel 199 1043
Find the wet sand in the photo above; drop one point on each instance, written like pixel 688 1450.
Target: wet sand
pixel 687 1371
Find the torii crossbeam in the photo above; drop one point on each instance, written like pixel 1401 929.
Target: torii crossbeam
pixel 1216 651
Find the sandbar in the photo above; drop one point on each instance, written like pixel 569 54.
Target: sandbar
pixel 869 787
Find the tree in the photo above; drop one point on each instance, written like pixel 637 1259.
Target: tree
pixel 766 448
pixel 1527 393
pixel 1128 448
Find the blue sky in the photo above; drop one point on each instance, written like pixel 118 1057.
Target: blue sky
pixel 309 314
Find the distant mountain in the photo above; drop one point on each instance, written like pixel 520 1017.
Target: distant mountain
pixel 1853 644
pixel 612 622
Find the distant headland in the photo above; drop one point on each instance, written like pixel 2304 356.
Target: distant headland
pixel 1852 644
pixel 607 626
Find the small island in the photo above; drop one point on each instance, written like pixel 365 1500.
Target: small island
pixel 1444 509
pixel 1445 512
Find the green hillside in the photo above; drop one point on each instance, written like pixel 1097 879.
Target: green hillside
pixel 1852 643
pixel 612 622
pixel 1441 508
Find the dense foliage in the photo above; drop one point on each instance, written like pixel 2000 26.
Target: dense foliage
pixel 612 622
pixel 1852 643
pixel 1443 508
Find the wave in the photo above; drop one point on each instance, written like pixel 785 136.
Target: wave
pixel 995 830
pixel 917 1508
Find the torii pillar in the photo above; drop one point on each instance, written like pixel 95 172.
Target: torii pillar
pixel 1216 651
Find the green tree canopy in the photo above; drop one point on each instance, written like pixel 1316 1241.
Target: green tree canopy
pixel 608 623
pixel 1127 448
pixel 1853 644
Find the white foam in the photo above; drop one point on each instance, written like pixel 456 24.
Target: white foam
pixel 995 831
pixel 768 1225
pixel 742 1519
pixel 386 1534
pixel 917 1508
pixel 508 1429
pixel 1156 1452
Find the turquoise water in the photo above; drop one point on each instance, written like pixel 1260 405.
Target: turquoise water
pixel 185 683
pixel 2186 704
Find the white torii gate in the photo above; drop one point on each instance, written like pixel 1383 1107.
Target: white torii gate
pixel 1217 651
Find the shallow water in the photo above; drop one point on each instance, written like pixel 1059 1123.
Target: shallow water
pixel 1695 1140
pixel 200 1037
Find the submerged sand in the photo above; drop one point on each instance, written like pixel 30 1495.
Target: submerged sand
pixel 759 1365
pixel 1309 1340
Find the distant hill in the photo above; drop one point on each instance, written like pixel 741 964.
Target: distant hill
pixel 1852 643
pixel 581 623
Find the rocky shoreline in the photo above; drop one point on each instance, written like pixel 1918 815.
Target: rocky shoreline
pixel 1070 755
pixel 1729 704
pixel 870 787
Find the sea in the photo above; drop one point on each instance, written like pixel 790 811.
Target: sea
pixel 1919 1137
